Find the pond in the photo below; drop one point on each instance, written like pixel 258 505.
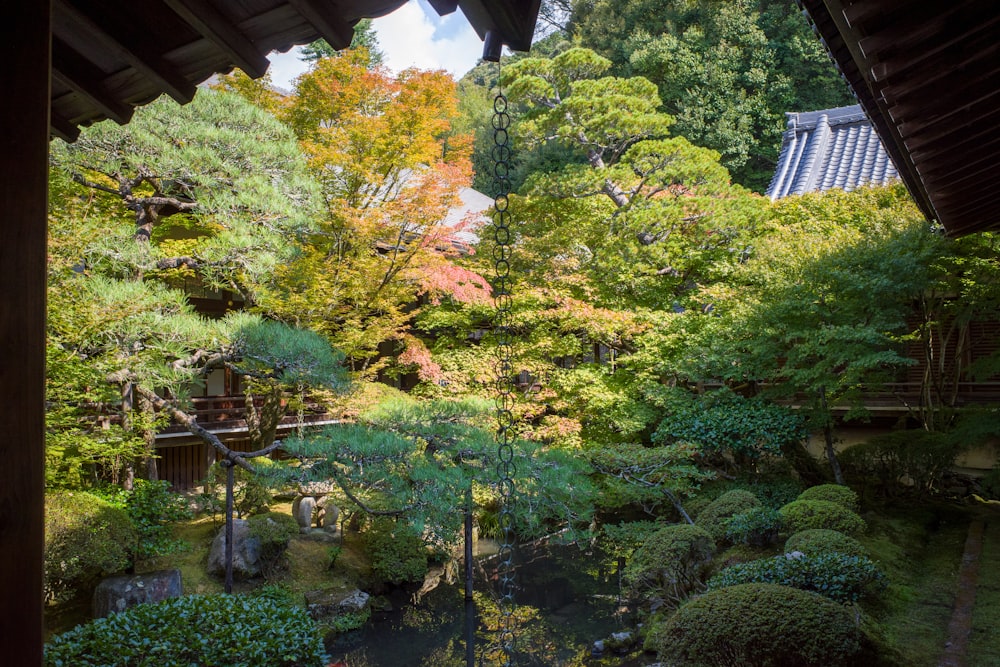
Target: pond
pixel 567 597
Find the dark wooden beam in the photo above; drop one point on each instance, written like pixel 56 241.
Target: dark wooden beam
pixel 24 46
pixel 138 50
pixel 215 27
pixel 62 128
pixel 79 75
pixel 327 20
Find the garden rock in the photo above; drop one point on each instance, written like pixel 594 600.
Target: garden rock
pixel 116 594
pixel 302 510
pixel 322 604
pixel 246 552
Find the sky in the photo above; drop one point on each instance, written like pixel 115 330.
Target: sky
pixel 412 36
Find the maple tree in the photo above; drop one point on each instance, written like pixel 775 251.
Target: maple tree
pixel 390 169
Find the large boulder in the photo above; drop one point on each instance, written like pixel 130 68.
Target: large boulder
pixel 246 552
pixel 116 594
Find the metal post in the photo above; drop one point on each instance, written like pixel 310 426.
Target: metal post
pixel 468 543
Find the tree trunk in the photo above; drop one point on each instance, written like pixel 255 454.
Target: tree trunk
pixel 262 425
pixel 831 454
pixel 229 525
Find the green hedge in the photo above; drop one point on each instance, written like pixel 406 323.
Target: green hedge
pixel 86 538
pixel 758 625
pixel 835 493
pixel 837 576
pixel 815 541
pixel 194 631
pixel 806 514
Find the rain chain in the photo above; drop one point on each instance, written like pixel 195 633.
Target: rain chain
pixel 504 367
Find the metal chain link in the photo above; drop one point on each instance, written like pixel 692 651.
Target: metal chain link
pixel 504 371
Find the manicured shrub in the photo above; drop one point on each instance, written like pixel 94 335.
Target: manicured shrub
pixel 816 541
pixel 757 527
pixel 835 493
pixel 806 514
pixel 274 530
pixel 86 538
pixel 196 630
pixel 758 625
pixel 671 564
pixel 840 577
pixel 713 518
pixel 397 553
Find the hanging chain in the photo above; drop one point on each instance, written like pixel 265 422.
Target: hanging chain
pixel 502 327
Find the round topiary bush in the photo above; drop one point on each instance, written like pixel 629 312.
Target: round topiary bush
pixel 758 625
pixel 714 517
pixel 806 514
pixel 670 565
pixel 837 576
pixel 203 630
pixel 86 538
pixel 274 530
pixel 816 541
pixel 835 493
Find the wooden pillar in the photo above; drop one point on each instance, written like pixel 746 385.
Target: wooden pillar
pixel 24 139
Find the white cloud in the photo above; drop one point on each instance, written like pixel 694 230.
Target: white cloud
pixel 415 36
pixel 412 36
pixel 285 67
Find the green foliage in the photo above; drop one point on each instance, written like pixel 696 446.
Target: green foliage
pixel 838 576
pixel 623 539
pixel 349 621
pixel 231 165
pixel 818 541
pixel 758 625
pixel 727 422
pixel 835 493
pixel 251 493
pixel 757 527
pixel 332 554
pixel 153 507
pixel 918 458
pixel 197 630
pixel 670 564
pixel 295 357
pixel 715 517
pixel 274 530
pixel 86 538
pixel 798 314
pixel 652 477
pixel 728 73
pixel 806 514
pixel 397 552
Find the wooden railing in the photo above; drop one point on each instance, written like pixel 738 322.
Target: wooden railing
pixel 228 413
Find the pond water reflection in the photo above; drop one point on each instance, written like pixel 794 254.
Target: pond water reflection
pixel 567 598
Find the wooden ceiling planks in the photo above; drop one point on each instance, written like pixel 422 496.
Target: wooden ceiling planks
pixel 111 55
pixel 928 75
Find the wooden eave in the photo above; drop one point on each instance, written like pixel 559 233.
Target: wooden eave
pixel 928 76
pixel 110 56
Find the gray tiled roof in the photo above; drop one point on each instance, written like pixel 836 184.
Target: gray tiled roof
pixel 833 148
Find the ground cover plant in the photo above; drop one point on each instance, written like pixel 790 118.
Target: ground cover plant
pixel 195 630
